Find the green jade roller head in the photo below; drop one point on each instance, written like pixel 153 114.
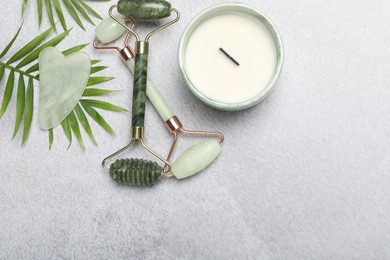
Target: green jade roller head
pixel 144 9
pixel 135 172
pixel 197 157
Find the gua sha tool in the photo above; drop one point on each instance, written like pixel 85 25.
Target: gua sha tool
pixel 137 171
pixel 62 81
pixel 197 157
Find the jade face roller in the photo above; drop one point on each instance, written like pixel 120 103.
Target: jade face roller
pixel 197 157
pixel 138 171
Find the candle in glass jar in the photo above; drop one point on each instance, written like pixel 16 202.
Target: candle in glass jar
pixel 231 56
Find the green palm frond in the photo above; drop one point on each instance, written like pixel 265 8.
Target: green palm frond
pixel 77 9
pixel 23 67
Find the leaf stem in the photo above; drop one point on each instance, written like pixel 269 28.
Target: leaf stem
pixel 18 70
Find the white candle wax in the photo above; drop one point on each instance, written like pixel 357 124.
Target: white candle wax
pixel 213 76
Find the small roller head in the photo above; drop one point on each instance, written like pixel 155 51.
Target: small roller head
pixel 135 172
pixel 196 158
pixel 145 9
pixel 109 30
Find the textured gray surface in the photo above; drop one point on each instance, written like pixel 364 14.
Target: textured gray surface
pixel 303 175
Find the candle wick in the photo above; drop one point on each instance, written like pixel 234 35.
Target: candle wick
pixel 230 57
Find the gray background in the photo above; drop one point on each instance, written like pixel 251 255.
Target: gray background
pixel 305 174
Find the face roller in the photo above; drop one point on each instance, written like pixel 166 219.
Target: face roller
pixel 197 157
pixel 137 171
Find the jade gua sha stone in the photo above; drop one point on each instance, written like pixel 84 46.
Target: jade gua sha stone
pixel 62 81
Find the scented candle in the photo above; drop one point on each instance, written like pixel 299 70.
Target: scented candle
pixel 231 55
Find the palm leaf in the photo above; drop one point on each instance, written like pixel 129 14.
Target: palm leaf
pixel 60 14
pixel 20 100
pixel 75 49
pixel 77 10
pixel 84 122
pixel 2 70
pixel 9 45
pixel 7 93
pixel 50 14
pixel 97 80
pixel 73 13
pixel 94 92
pixel 74 125
pixel 97 69
pixel 29 46
pixel 28 112
pixel 102 105
pixel 98 118
pixel 34 55
pixel 94 62
pixel 40 11
pixel 28 54
pixel 24 3
pixel 51 138
pixel 82 11
pixel 89 9
pixel 67 131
